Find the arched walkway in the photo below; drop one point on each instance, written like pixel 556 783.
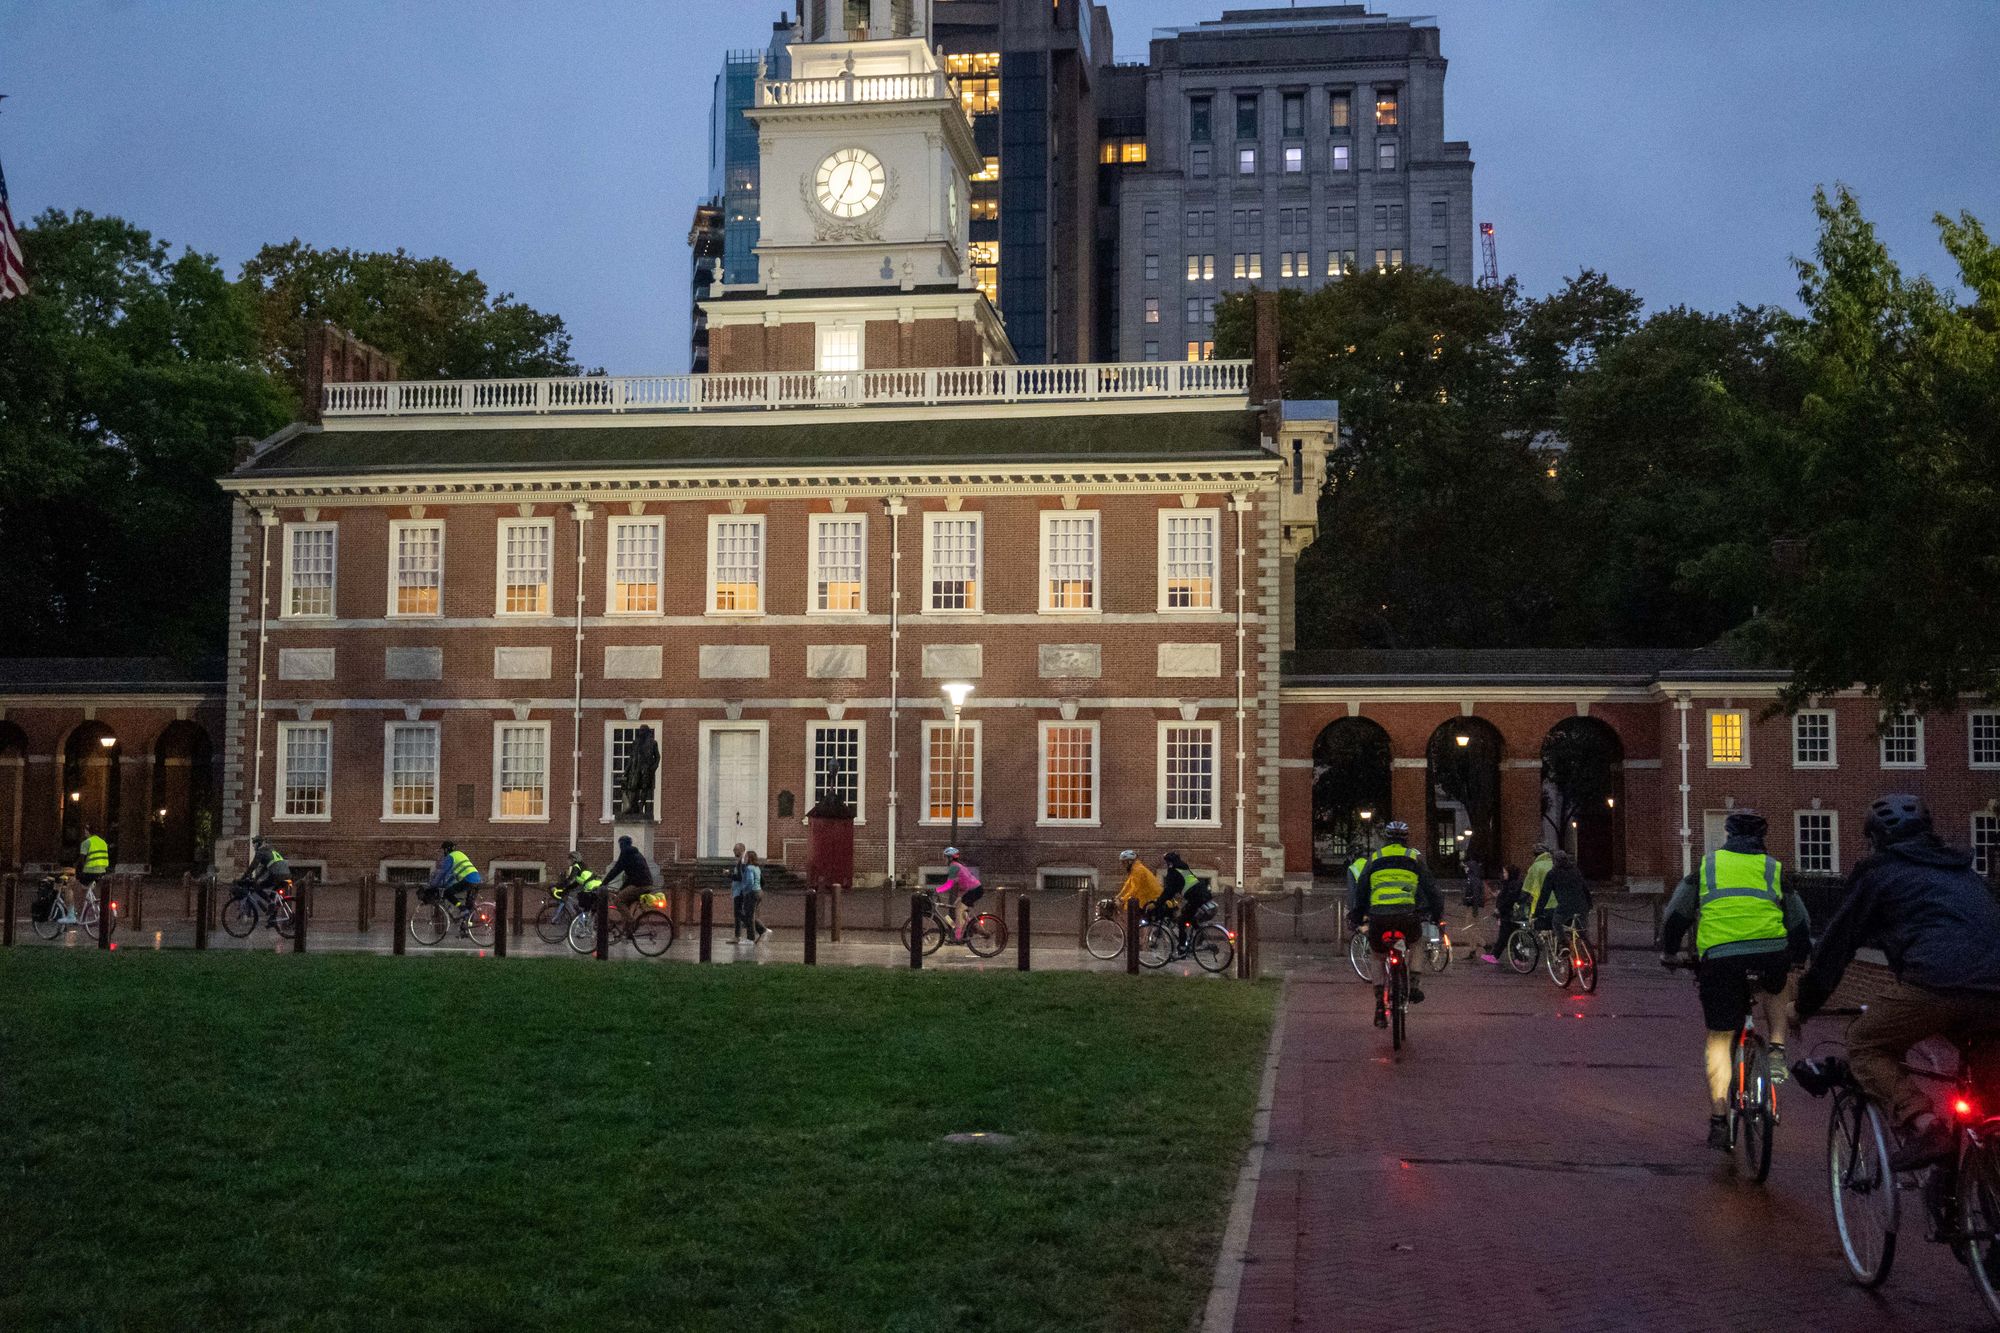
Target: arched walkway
pixel 13 793
pixel 182 824
pixel 90 788
pixel 1351 761
pixel 1463 778
pixel 1583 792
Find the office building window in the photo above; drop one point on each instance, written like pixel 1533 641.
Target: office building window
pixel 1201 115
pixel 1246 161
pixel 1152 310
pixel 1440 257
pixel 1727 742
pixel 1246 115
pixel 1201 268
pixel 1440 213
pixel 636 570
pixel 984 258
pixel 1295 264
pixel 410 777
pixel 1816 842
pixel 837 753
pixel 1151 229
pixel 1151 350
pixel 1152 268
pixel 1341 217
pixel 1249 266
pixel 1812 739
pixel 1985 734
pixel 736 564
pixel 1294 115
pixel 526 560
pixel 1903 741
pixel 1190 555
pixel 1340 112
pixel 1125 151
pixel 1193 312
pixel 1985 841
pixel 1385 155
pixel 1200 224
pixel 1198 160
pixel 520 770
pixel 305 761
pixel 1187 765
pixel 417 566
pixel 1200 351
pixel 1385 107
pixel 1070 557
pixel 839 562
pixel 310 550
pixel 1249 223
pixel 1342 158
pixel 1069 773
pixel 1295 159
pixel 938 773
pixel 951 561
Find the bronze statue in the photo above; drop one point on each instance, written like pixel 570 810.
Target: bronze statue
pixel 635 783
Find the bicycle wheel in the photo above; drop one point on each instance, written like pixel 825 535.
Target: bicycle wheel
pixel 239 917
pixel 934 931
pixel 1753 1139
pixel 92 914
pixel 51 928
pixel 1752 1113
pixel 1361 958
pixel 483 922
pixel 1437 957
pixel 552 922
pixel 1561 968
pixel 428 923
pixel 583 932
pixel 1866 1201
pixel 1213 950
pixel 1156 946
pixel 652 933
pixel 986 935
pixel 1585 964
pixel 1979 1221
pixel 1399 1002
pixel 285 914
pixel 1523 951
pixel 1105 939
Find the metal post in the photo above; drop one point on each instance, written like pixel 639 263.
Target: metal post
pixel 361 905
pixel 707 924
pixel 201 913
pixel 214 902
pixel 833 927
pixel 1253 931
pixel 1242 943
pixel 812 927
pixel 301 910
pixel 104 903
pixel 1603 934
pixel 1021 934
pixel 402 922
pixel 603 924
pixel 138 887
pixel 1298 913
pixel 7 925
pixel 500 896
pixel 1082 917
pixel 954 775
pixel 1132 937
pixel 519 895
pixel 917 918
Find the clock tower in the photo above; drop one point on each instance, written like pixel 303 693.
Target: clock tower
pixel 865 153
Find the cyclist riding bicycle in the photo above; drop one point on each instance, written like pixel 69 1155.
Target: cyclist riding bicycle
pixel 963 877
pixel 1918 900
pixel 628 877
pixel 1751 931
pixel 1565 895
pixel 1183 895
pixel 578 878
pixel 457 876
pixel 1395 894
pixel 93 861
pixel 267 868
pixel 1141 885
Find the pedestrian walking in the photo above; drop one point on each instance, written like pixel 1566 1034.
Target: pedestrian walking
pixel 753 898
pixel 737 880
pixel 1475 886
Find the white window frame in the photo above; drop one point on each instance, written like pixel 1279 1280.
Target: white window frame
pixel 500 729
pixel 497 870
pixel 1160 816
pixel 507 525
pixel 659 525
pixel 389 730
pixel 611 726
pixel 408 863
pixel 1096 731
pixel 1708 737
pixel 1043 874
pixel 287 730
pixel 813 728
pixel 1833 832
pixel 860 521
pixel 1295 159
pixel 285 591
pixel 1049 518
pixel 1832 759
pixel 1972 840
pixel 844 328
pixel 715 525
pixel 932 518
pixel 1882 745
pixel 1214 519
pixel 1972 758
pixel 970 782
pixel 397 527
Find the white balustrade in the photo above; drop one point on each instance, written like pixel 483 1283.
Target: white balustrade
pixel 849 88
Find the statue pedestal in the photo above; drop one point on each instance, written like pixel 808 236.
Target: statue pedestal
pixel 641 834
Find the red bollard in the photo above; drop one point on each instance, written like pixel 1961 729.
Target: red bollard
pixel 1132 937
pixel 1021 934
pixel 812 927
pixel 707 925
pixel 919 915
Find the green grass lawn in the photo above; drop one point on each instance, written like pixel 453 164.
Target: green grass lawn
pixel 268 1141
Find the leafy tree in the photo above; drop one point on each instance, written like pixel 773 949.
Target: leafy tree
pixel 438 321
pixel 1577 759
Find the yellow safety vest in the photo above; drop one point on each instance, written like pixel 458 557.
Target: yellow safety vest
pixel 462 868
pixel 1356 866
pixel 1391 888
pixel 96 856
pixel 583 881
pixel 1742 898
pixel 1531 887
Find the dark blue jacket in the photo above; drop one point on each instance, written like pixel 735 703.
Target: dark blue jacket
pixel 631 863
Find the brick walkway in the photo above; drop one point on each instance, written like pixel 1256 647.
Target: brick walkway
pixel 1534 1161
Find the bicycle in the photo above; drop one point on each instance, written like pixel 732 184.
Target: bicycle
pixel 438 910
pixel 57 916
pixel 985 934
pixel 1211 946
pixel 1961 1195
pixel 1570 958
pixel 247 904
pixel 1753 1099
pixel 552 923
pixel 1396 989
pixel 651 931
pixel 1105 939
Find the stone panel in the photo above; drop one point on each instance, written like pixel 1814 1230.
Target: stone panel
pixel 837 661
pixel 521 664
pixel 966 660
pixel 305 664
pixel 632 661
pixel 1072 659
pixel 413 663
pixel 1190 659
pixel 734 661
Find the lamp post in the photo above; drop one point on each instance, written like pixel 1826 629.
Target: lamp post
pixel 1367 829
pixel 955 693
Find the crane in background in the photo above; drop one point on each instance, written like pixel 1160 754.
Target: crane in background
pixel 1489 257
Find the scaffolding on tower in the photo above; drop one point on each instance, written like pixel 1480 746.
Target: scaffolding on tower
pixel 1489 257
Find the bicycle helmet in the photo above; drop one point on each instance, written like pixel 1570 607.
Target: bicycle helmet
pixel 1128 855
pixel 256 840
pixel 951 853
pixel 1745 824
pixel 1896 817
pixel 1395 828
pixel 575 858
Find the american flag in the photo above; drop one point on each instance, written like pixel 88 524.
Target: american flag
pixel 13 268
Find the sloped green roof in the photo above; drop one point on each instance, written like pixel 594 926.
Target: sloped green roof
pixel 950 437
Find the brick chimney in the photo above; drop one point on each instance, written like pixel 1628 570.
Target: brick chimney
pixel 1264 384
pixel 335 356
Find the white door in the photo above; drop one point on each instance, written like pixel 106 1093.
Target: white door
pixel 735 810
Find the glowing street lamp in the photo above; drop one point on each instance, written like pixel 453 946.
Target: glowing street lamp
pixel 956 693
pixel 107 741
pixel 1463 739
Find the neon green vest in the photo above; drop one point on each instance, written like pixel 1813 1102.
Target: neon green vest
pixel 583 881
pixel 1391 888
pixel 96 856
pixel 1742 898
pixel 1356 866
pixel 462 868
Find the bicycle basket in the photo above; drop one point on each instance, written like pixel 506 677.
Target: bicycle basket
pixel 44 906
pixel 1107 909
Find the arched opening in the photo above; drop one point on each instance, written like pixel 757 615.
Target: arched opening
pixel 1583 794
pixel 182 819
pixel 90 788
pixel 1463 773
pixel 13 792
pixel 1350 777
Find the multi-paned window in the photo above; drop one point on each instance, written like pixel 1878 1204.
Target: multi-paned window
pixel 1187 772
pixel 521 770
pixel 1985 841
pixel 1070 559
pixel 1068 773
pixel 839 347
pixel 1340 112
pixel 1343 157
pixel 1201 119
pixel 1201 268
pixel 1902 741
pixel 637 565
pixel 1294 112
pixel 1385 155
pixel 310 552
pixel 1190 559
pixel 951 562
pixel 1728 744
pixel 526 563
pixel 736 564
pixel 1341 263
pixel 1246 115
pixel 1295 159
pixel 1812 739
pixel 836 752
pixel 1295 264
pixel 839 557
pixel 410 770
pixel 1152 310
pixel 416 568
pixel 1249 266
pixel 938 773
pixel 1816 842
pixel 1246 161
pixel 619 738
pixel 1984 730
pixel 1385 107
pixel 305 770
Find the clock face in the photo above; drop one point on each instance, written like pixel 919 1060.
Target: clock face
pixel 850 182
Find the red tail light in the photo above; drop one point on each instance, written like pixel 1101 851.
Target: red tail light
pixel 1963 1108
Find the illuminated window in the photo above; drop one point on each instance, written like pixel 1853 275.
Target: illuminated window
pixel 1726 728
pixel 1812 739
pixel 1985 842
pixel 736 564
pixel 1070 560
pixel 635 565
pixel 978 96
pixel 1189 556
pixel 410 778
pixel 1385 106
pixel 1985 732
pixel 309 569
pixel 839 347
pixel 974 62
pixel 305 765
pixel 526 556
pixel 1385 154
pixel 1187 766
pixel 1201 268
pixel 1341 159
pixel 1249 266
pixel 1200 351
pixel 1295 264
pixel 521 770
pixel 836 751
pixel 984 256
pixel 951 562
pixel 937 773
pixel 1903 741
pixel 1152 310
pixel 839 550
pixel 1246 161
pixel 1340 112
pixel 416 568
pixel 1068 773
pixel 1295 159
pixel 1816 842
pixel 989 171
pixel 1123 151
pixel 983 209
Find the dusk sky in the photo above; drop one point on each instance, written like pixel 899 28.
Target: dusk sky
pixel 560 148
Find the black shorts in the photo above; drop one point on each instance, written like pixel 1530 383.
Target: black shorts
pixel 1407 924
pixel 1726 985
pixel 972 896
